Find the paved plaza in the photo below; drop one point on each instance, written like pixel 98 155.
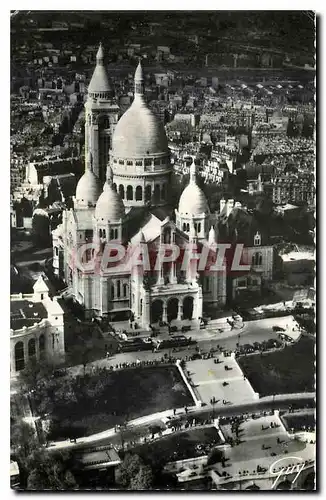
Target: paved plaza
pixel 208 378
pixel 262 445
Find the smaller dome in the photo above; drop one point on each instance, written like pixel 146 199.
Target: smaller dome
pixel 109 206
pixel 88 189
pixel 193 201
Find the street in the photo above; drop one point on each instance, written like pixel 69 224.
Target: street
pixel 253 331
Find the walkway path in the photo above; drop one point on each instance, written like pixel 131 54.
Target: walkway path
pixel 266 404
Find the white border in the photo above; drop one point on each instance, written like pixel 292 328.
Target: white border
pixel 317 6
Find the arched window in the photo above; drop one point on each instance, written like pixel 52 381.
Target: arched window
pixel 163 192
pixel 19 356
pixel 157 192
pixel 31 348
pixel 56 251
pixel 104 233
pixel 116 234
pixel 112 292
pixel 118 288
pixel 122 191
pixel 184 226
pixel 125 290
pixel 114 186
pixel 130 193
pixel 139 193
pixel 148 193
pixel 257 259
pixel 112 234
pixel 188 227
pixel 41 343
pixel 199 227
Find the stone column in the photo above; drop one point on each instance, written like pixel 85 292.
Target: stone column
pixel 198 310
pixel 173 276
pixel 180 310
pixel 26 351
pixel 146 313
pixel 103 294
pixel 165 313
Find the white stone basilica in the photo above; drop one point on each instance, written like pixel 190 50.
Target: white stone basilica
pixel 133 207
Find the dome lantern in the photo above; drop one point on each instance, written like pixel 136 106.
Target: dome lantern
pixel 139 81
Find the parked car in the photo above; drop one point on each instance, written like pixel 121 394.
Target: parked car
pixel 135 345
pixel 174 341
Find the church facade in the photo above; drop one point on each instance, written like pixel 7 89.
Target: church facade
pixel 131 208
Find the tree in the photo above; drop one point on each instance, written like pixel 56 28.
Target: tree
pixel 50 471
pixel 37 371
pixel 143 480
pixel 23 439
pixel 133 474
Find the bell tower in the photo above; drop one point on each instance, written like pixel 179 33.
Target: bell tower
pixel 101 116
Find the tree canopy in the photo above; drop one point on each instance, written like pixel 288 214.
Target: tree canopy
pixel 50 471
pixel 133 474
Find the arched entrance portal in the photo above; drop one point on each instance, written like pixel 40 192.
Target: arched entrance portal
pixel 188 307
pixel 156 311
pixel 172 309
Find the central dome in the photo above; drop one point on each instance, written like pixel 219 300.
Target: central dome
pixel 109 206
pixel 139 132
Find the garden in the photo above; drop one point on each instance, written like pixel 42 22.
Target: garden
pixel 290 370
pixel 89 404
pixel 299 421
pixel 180 446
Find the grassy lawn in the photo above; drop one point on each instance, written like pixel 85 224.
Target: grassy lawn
pixel 87 405
pixel 180 446
pixel 297 421
pixel 289 370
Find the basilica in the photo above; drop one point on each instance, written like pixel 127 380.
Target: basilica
pixel 124 197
